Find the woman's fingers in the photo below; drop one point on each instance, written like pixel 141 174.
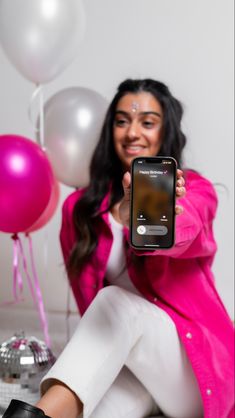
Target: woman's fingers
pixel 178 209
pixel 126 183
pixel 180 191
pixel 124 208
pixel 179 173
pixel 180 182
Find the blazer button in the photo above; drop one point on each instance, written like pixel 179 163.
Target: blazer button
pixel 189 335
pixel 209 392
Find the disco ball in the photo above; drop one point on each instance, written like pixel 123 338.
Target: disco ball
pixel 23 363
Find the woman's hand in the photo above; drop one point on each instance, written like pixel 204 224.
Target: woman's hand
pixel 124 208
pixel 180 190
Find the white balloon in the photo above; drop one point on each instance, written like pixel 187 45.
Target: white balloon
pixel 41 37
pixel 73 119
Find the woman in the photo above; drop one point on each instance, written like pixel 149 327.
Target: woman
pixel 154 337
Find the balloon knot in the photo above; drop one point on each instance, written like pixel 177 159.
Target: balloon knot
pixel 14 237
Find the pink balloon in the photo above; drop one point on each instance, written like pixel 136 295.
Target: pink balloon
pixel 26 182
pixel 50 209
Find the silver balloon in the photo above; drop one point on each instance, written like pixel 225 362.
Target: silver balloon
pixel 73 120
pixel 41 37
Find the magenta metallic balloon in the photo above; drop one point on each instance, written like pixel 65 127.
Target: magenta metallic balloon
pixel 26 182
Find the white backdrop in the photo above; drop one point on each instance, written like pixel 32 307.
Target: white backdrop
pixel 187 44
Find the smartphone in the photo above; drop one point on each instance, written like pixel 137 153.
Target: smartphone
pixel 152 217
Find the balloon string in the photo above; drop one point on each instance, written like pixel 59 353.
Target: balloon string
pixel 38 92
pixel 41 118
pixel 26 271
pixel 30 108
pixel 45 252
pixel 40 304
pixel 18 283
pixel 17 278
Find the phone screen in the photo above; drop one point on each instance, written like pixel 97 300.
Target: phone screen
pixel 153 202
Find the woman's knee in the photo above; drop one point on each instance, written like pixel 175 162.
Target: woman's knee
pixel 114 300
pixel 112 293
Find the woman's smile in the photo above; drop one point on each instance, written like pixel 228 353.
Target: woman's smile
pixel 133 149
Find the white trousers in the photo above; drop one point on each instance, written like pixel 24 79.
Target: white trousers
pixel 125 360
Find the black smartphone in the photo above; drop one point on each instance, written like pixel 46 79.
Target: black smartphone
pixel 152 214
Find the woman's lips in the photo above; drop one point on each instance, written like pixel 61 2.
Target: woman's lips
pixel 133 149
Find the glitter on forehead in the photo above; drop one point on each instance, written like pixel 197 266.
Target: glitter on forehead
pixel 134 106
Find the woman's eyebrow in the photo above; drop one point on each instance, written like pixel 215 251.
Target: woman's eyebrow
pixel 121 112
pixel 150 112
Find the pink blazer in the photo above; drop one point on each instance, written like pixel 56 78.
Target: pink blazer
pixel 180 281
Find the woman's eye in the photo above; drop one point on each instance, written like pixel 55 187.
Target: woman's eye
pixel 148 124
pixel 120 122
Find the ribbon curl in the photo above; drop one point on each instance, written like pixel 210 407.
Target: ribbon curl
pixel 33 282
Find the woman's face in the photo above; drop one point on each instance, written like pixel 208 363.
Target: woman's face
pixel 137 127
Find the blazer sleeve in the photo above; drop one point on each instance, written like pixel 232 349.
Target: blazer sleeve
pixel 67 231
pixel 194 232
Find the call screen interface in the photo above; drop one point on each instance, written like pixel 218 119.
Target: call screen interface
pixel 153 202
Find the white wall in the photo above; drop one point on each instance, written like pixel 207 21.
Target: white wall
pixel 186 43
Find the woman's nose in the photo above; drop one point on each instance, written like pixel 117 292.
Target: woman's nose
pixel 134 130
